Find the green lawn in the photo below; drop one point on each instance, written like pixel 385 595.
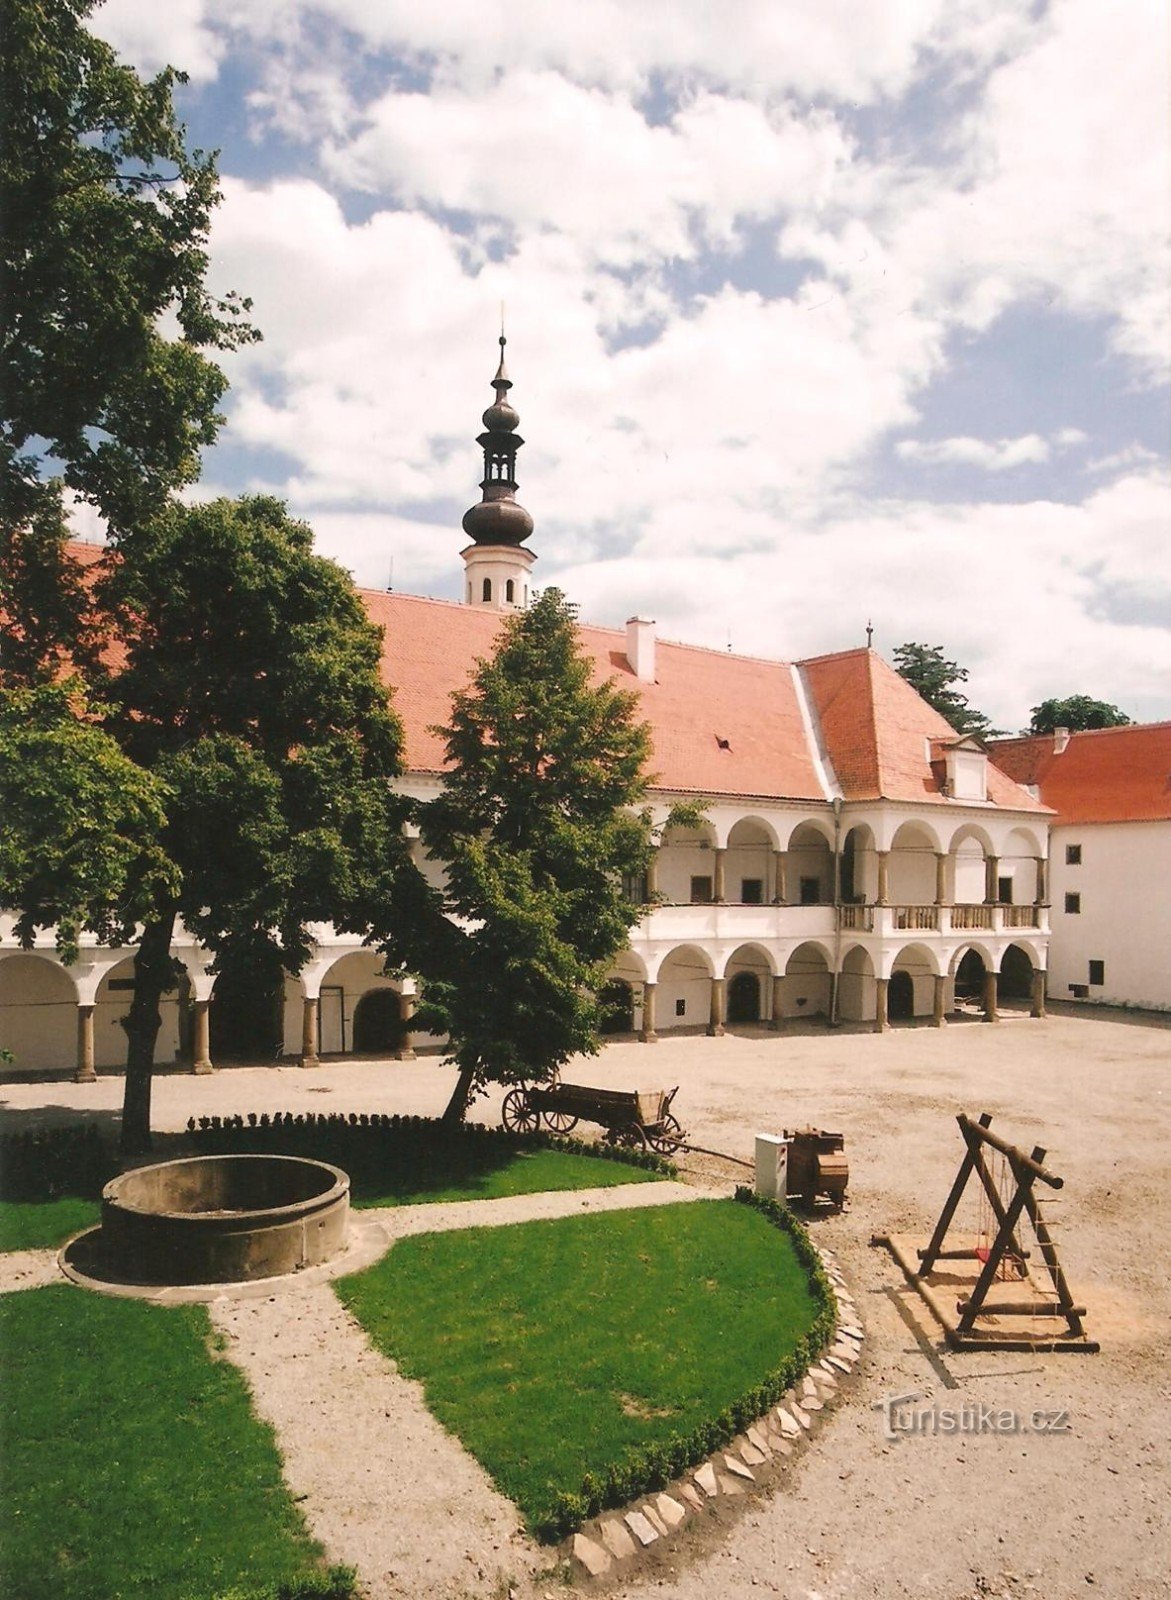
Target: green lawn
pixel 44 1224
pixel 133 1464
pixel 470 1170
pixel 551 1348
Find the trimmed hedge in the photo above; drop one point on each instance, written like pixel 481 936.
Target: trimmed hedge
pixel 337 1136
pixel 75 1159
pixel 655 1466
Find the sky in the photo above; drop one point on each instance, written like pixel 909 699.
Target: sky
pixel 819 313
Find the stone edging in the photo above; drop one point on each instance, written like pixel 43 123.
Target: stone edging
pixel 607 1544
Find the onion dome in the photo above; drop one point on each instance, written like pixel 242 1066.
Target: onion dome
pixel 497 519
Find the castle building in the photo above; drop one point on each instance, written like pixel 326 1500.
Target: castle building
pixel 859 862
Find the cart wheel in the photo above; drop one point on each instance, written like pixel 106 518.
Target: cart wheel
pixel 560 1121
pixel 633 1136
pixel 518 1114
pixel 669 1136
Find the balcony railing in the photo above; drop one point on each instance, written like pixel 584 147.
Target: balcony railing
pixel 916 917
pixel 856 919
pixel 1021 916
pixel 966 918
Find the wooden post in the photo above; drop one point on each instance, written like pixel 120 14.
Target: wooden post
pixel 715 1025
pixel 85 1072
pixel 309 1033
pixel 201 1063
pixel 929 1256
pixel 648 1035
pixel 939 1006
pixel 881 1013
pixel 1037 1008
pixel 1024 1178
pixel 777 1020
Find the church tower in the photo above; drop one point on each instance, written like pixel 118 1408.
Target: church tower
pixel 497 565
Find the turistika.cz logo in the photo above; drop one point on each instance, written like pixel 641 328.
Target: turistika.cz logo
pixel 903 1419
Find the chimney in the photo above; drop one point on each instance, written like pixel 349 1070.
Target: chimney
pixel 640 647
pixel 1060 740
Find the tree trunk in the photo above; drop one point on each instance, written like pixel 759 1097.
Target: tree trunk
pixel 154 976
pixel 457 1106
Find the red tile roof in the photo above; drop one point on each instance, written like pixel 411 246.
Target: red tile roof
pixel 1104 775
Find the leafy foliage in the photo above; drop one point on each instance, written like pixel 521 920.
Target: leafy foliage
pixel 934 677
pixel 49 625
pixel 535 826
pixel 106 217
pixel 1077 713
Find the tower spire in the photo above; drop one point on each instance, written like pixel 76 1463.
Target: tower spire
pixel 496 562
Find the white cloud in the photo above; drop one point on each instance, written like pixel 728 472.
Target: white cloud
pixel 990 455
pixel 180 33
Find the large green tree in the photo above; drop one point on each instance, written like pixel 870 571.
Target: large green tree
pixel 936 679
pixel 1077 712
pixel 105 317
pixel 538 821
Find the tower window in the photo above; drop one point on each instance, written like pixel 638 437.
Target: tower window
pixel 1073 904
pixel 486 593
pixel 510 591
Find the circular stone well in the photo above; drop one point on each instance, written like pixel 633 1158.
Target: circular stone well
pixel 222 1219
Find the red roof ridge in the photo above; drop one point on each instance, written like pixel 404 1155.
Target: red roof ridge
pixel 1080 733
pixel 840 655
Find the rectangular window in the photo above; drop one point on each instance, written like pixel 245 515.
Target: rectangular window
pixel 1004 891
pixel 810 891
pixel 701 891
pixel 1097 972
pixel 1073 855
pixel 1079 991
pixel 1073 905
pixel 634 888
pixel 752 891
pixel 681 1008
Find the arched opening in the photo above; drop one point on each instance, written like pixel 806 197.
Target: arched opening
pixel 911 866
pixel 616 1007
pixel 510 591
pixel 968 868
pixel 486 592
pixel 900 997
pixel 38 1014
pixel 112 1001
pixel 748 863
pixel 684 990
pixel 1016 974
pixel 744 997
pixel 857 995
pixel 685 866
pixel 969 978
pixel 859 867
pixel 378 1027
pixel 809 870
pixel 805 991
pixel 244 1019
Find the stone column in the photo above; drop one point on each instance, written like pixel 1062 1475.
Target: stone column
pixel 718 877
pixel 1038 1006
pixel 406 1011
pixel 85 1046
pixel 990 1012
pixel 715 1025
pixel 652 877
pixel 939 1006
pixel 883 877
pixel 777 1020
pixel 1041 895
pixel 309 1033
pixel 201 1050
pixel 881 1015
pixel 648 1035
pixel 780 888
pixel 941 878
pixel 991 879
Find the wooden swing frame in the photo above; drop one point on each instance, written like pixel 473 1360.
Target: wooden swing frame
pixel 1042 1303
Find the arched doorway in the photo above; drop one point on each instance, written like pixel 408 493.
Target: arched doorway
pixel 1016 974
pixel 900 997
pixel 38 1013
pixel 616 1007
pixel 378 1023
pixel 245 1021
pixel 969 980
pixel 744 998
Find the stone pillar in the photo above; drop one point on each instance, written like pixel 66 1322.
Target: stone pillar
pixel 406 1012
pixel 941 878
pixel 1042 887
pixel 881 1015
pixel 939 1006
pixel 718 877
pixel 1038 1006
pixel 990 1012
pixel 715 1025
pixel 309 1033
pixel 777 1020
pixel 85 1046
pixel 883 877
pixel 201 1052
pixel 991 879
pixel 648 1035
pixel 780 888
pixel 652 877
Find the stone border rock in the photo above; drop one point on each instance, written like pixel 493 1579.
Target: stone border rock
pixel 608 1544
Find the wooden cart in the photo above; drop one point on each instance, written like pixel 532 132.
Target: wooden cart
pixel 639 1118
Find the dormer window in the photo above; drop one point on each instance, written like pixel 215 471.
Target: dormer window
pixel 965 769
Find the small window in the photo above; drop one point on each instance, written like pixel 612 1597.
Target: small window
pixel 634 888
pixel 1073 855
pixel 752 891
pixel 681 1008
pixel 1004 891
pixel 1097 973
pixel 810 891
pixel 486 593
pixel 1079 991
pixel 1073 905
pixel 510 591
pixel 701 891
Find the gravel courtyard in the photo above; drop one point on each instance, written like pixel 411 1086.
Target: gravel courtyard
pixel 952 1516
